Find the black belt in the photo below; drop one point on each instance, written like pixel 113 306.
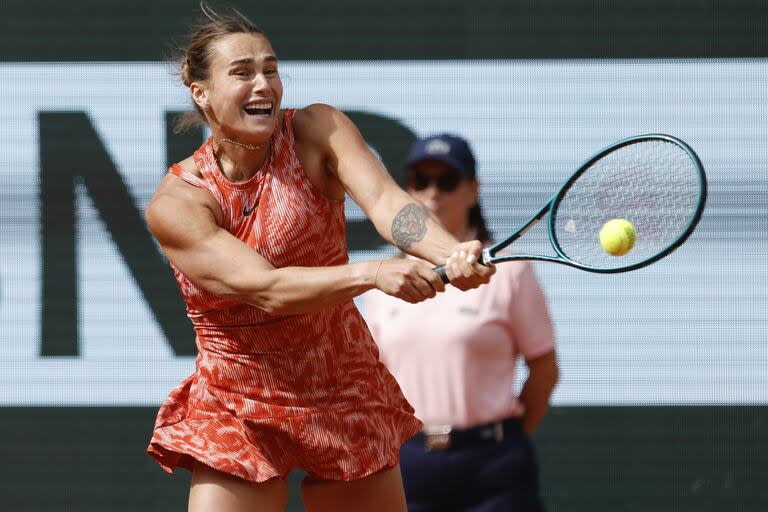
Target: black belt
pixel 437 439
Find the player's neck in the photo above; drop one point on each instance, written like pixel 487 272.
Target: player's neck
pixel 240 162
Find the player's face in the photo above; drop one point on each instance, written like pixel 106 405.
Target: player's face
pixel 445 192
pixel 244 90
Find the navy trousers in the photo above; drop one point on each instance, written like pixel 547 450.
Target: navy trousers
pixel 483 476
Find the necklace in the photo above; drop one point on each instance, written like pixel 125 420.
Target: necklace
pixel 247 146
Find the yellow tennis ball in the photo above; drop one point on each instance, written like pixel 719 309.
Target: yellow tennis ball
pixel 617 237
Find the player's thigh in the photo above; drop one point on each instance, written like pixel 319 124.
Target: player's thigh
pixel 381 492
pixel 214 491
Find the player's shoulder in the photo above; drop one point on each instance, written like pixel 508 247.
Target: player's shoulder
pixel 318 121
pixel 175 207
pixel 175 199
pixel 189 165
pixel 171 199
pixel 315 112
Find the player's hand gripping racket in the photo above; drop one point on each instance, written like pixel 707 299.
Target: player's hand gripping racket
pixel 655 182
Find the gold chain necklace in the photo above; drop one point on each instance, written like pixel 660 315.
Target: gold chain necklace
pixel 246 146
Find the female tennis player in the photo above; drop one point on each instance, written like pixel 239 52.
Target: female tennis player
pixel 287 374
pixel 456 356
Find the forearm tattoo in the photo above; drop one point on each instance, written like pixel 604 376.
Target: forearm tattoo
pixel 409 225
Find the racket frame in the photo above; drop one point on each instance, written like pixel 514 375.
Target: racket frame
pixel 550 207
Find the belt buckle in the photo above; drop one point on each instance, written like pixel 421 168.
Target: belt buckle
pixel 437 439
pixel 493 431
pixel 498 432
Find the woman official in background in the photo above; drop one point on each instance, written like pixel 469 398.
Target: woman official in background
pixel 455 356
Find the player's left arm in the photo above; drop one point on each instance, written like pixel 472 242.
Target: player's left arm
pixel 363 176
pixel 398 217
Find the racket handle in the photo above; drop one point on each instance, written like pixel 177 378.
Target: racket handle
pixel 441 272
pixel 485 258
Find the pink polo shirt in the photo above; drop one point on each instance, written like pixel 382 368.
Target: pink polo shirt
pixel 454 356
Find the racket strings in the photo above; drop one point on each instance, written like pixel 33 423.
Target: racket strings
pixel 654 184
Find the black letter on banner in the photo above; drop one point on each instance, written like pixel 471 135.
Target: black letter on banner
pixel 71 152
pixel 392 140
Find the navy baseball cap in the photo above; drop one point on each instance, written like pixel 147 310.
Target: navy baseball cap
pixel 450 149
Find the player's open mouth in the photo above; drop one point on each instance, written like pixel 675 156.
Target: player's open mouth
pixel 258 109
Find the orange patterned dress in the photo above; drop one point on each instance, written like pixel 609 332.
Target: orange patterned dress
pixel 271 393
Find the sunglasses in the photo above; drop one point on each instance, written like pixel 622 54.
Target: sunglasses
pixel 445 182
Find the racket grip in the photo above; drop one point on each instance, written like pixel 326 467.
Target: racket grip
pixel 441 272
pixel 485 259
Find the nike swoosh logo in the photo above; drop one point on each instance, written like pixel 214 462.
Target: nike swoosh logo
pixel 247 211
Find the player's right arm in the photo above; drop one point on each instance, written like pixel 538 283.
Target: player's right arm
pixel 185 222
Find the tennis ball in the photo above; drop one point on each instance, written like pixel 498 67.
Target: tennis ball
pixel 617 237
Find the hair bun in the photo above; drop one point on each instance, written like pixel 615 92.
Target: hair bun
pixel 185 78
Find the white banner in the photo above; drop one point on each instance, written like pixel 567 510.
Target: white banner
pixel 688 330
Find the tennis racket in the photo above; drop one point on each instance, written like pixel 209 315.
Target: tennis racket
pixel 654 181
